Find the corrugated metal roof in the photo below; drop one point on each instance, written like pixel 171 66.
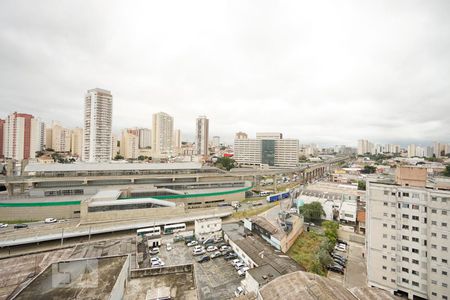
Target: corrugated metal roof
pixel 110 167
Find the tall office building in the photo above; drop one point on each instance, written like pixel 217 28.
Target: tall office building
pixel 129 144
pixel 145 138
pixel 201 135
pixel 76 141
pixel 23 135
pixel 162 134
pixel 408 236
pixel 267 149
pixel 97 125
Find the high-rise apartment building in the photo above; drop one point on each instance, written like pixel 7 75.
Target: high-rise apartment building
pixel 241 136
pixel 162 134
pixel 60 137
pixel 97 125
pixel 177 141
pixel 364 146
pixel 267 149
pixel 76 141
pixel 216 141
pixel 129 144
pixel 2 125
pixel 23 135
pixel 201 135
pixel 145 138
pixel 408 236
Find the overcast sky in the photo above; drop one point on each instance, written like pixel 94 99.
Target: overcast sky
pixel 328 72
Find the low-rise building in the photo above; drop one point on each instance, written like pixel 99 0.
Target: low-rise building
pixel 206 229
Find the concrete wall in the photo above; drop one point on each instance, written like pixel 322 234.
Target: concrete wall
pixel 138 273
pixel 130 214
pixel 289 240
pixel 38 213
pixel 119 287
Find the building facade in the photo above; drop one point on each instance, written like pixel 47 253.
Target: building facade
pixel 97 125
pixel 76 141
pixel 201 135
pixel 129 144
pixel 162 134
pixel 23 135
pixel 60 138
pixel 267 149
pixel 177 141
pixel 145 138
pixel 408 236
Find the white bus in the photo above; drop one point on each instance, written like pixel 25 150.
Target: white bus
pixel 150 230
pixel 168 229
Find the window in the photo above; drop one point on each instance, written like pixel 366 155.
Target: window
pixel 434 270
pixel 405 280
pixel 384 257
pixel 392 226
pixel 414 228
pixel 405 216
pixel 393 237
pixel 433 282
pixel 404 259
pixel 404 248
pixel 405 270
pixel 433 223
pixel 385 235
pixel 393 248
pixel 444 236
pixel 433 258
pixel 405 205
pixel 414 272
pixel 444 261
pixel 415 206
pixel 433 246
pixel 393 280
pixel 433 234
pixel 385 214
pixel 415 239
pixel 415 283
pixel 415 195
pixel 433 211
pixel 384 268
pixel 433 199
pixel 384 246
pixel 444 224
pixel 384 278
pixel 416 218
pixel 392 269
pixel 405 237
pixel 415 261
pixel 444 212
pixel 405 226
pixel 384 225
pixel 415 250
pixel 444 200
pixel 392 215
pixel 444 297
pixel 444 284
pixel 434 294
pixel 386 192
pixel 385 203
pixel 444 248
pixel 405 194
pixel 444 273
pixel 392 258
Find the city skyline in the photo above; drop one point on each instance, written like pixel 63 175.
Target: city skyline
pixel 241 70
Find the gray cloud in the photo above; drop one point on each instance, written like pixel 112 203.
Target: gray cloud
pixel 322 71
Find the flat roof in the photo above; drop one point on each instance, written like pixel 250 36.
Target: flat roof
pixel 263 274
pixel 306 286
pixel 92 278
pixel 131 201
pixel 56 167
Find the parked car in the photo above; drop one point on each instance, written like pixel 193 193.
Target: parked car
pixel 158 264
pixel 192 243
pixel 216 254
pixel 3 225
pixel 154 251
pixel 204 259
pixel 257 204
pixel 242 271
pixel 225 247
pixel 339 262
pixel 211 248
pixel 336 268
pixel 50 220
pixel 218 240
pixel 198 251
pixel 230 256
pixel 239 265
pixel 155 259
pixel 342 242
pixel 239 291
pixel 168 247
pixel 198 247
pixel 340 248
pixel 235 261
pixel 18 226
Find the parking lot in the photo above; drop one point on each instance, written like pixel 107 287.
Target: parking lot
pixel 216 279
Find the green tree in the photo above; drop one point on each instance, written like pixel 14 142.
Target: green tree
pixel 447 171
pixel 141 157
pixel 368 170
pixel 118 157
pixel 226 163
pixel 331 231
pixel 312 211
pixel 361 185
pixel 324 257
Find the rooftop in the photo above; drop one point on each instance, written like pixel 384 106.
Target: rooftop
pixel 305 286
pixel 110 167
pixel 264 274
pixel 76 279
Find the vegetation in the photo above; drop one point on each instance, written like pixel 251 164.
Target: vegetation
pixel 226 163
pixel 331 232
pixel 368 169
pixel 361 185
pixel 312 211
pixel 253 211
pixel 447 171
pixel 118 157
